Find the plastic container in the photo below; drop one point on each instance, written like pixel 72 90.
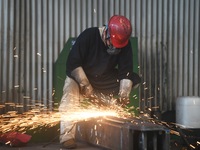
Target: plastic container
pixel 188 111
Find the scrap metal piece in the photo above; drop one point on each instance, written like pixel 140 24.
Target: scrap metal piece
pixel 123 134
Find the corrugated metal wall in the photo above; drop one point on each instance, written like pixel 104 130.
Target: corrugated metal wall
pixel 33 32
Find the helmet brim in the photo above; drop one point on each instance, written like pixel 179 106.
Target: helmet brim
pixel 118 44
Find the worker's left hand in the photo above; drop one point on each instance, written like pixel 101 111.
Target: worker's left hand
pixel 123 101
pixel 124 91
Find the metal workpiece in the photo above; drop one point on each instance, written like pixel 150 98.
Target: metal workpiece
pixel 123 134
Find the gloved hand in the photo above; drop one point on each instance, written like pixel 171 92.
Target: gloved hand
pixel 123 101
pixel 79 75
pixel 86 90
pixel 124 91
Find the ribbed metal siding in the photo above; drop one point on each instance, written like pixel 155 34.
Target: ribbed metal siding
pixel 168 34
pixel 33 33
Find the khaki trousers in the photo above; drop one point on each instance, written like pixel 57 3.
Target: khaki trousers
pixel 70 99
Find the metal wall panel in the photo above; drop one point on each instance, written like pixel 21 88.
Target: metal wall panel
pixel 33 32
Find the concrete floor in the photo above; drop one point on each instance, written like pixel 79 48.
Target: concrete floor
pixel 80 146
pixel 50 146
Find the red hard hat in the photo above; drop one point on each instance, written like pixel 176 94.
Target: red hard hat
pixel 120 30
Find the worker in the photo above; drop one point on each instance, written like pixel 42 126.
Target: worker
pixel 100 61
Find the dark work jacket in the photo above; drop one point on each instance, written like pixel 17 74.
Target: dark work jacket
pixel 90 52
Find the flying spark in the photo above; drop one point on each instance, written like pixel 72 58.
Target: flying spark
pixel 36 118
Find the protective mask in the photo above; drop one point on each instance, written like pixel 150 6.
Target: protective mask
pixel 112 50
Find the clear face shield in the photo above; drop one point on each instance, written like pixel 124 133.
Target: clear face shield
pixel 111 49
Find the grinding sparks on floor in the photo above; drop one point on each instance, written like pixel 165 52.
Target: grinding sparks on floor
pixel 36 118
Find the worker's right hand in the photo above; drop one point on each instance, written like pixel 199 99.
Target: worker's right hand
pixel 86 90
pixel 85 87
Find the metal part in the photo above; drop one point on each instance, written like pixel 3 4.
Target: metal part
pixel 187 111
pixel 123 134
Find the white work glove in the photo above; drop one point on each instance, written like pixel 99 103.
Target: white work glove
pixel 124 91
pixel 79 75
